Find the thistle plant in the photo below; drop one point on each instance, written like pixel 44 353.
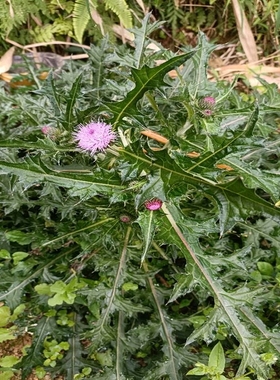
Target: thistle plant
pixel 145 233
pixel 93 137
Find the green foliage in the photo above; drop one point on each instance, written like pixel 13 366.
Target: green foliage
pixel 53 351
pixel 14 14
pixel 50 20
pixel 82 14
pixel 215 367
pixel 9 332
pixel 121 9
pixel 81 17
pixel 112 290
pixel 59 291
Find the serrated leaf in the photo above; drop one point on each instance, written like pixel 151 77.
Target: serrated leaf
pixel 34 355
pixel 74 362
pixel 254 178
pixel 97 55
pixel 46 144
pixel 146 79
pixel 141 41
pixel 153 188
pixel 229 310
pixel 34 170
pixel 71 100
pixel 103 330
pixel 234 200
pixel 200 61
pixel 171 364
pixel 146 221
pixel 181 287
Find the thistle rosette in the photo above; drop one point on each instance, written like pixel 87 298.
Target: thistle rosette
pixel 94 137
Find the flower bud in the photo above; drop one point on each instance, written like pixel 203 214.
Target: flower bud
pixel 125 218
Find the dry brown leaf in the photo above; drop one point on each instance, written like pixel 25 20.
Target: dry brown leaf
pixel 98 20
pixel 123 33
pixel 270 74
pixel 7 60
pixel 245 33
pixel 247 68
pixel 155 136
pixel 12 13
pixel 224 167
pixel 193 154
pixel 142 6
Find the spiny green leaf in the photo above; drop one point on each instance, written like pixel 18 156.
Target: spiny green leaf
pixel 45 327
pixel 74 362
pixel 71 100
pixel 146 221
pixel 200 60
pixel 191 251
pixel 234 200
pixel 34 170
pixel 102 329
pixel 171 367
pixel 254 178
pixel 141 41
pixel 146 79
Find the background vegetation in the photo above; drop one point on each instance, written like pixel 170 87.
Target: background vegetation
pixel 27 22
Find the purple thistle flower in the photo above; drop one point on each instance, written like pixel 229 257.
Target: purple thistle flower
pixel 94 136
pixel 208 103
pixel 46 129
pixel 153 204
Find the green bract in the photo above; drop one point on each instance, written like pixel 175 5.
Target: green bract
pixel 142 297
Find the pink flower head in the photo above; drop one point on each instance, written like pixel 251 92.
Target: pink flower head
pixel 46 129
pixel 207 104
pixel 94 136
pixel 153 204
pixel 209 101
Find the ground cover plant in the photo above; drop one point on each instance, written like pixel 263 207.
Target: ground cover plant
pixel 140 216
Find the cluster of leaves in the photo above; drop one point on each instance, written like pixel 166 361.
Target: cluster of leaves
pixel 112 290
pixel 26 21
pixel 49 20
